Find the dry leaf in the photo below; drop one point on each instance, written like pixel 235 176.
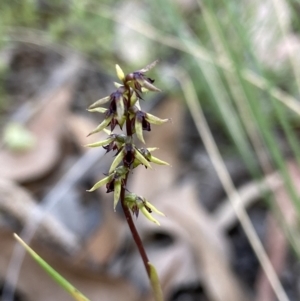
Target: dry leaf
pixel 47 128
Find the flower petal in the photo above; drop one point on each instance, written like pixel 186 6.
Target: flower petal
pixel 100 183
pixel 100 143
pixel 120 108
pixel 149 216
pixel 158 161
pixel 150 87
pixel 120 73
pixel 139 130
pixel 118 159
pixel 117 192
pixel 155 120
pixel 154 209
pixel 152 149
pixel 99 110
pixel 117 85
pixel 148 67
pixel 101 126
pixel 100 102
pixel 133 97
pixel 141 158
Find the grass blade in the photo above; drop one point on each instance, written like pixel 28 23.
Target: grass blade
pixel 75 293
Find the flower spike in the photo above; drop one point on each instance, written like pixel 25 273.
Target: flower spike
pixel 122 108
pixel 147 154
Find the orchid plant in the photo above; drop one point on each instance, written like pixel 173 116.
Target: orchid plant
pixel 123 110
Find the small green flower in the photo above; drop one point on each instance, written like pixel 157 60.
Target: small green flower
pixel 114 182
pixel 141 158
pixel 146 152
pixel 138 80
pixel 113 142
pixel 137 203
pixel 116 144
pixel 142 121
pixel 128 154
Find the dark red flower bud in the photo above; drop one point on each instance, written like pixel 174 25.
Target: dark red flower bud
pixel 110 186
pixel 129 155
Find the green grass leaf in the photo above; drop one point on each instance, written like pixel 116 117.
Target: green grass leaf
pixel 74 292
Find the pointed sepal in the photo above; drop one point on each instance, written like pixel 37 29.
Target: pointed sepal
pixel 149 67
pixel 139 130
pixel 142 159
pixel 101 143
pixel 158 161
pixel 98 110
pixel 118 159
pixel 99 102
pixel 101 126
pixel 120 73
pixel 101 183
pixel 155 120
pixel 149 216
pixel 117 192
pixel 120 109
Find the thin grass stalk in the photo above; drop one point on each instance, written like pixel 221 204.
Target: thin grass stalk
pixel 264 126
pixel 285 30
pixel 241 101
pixel 292 139
pixel 280 218
pixel 201 53
pixel 223 174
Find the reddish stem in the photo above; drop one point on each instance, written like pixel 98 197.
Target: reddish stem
pixel 134 232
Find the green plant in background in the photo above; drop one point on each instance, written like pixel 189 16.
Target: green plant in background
pixel 124 110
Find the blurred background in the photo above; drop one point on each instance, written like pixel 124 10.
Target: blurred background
pixel 229 72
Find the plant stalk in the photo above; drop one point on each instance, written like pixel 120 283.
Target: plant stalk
pixel 134 232
pixel 127 212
